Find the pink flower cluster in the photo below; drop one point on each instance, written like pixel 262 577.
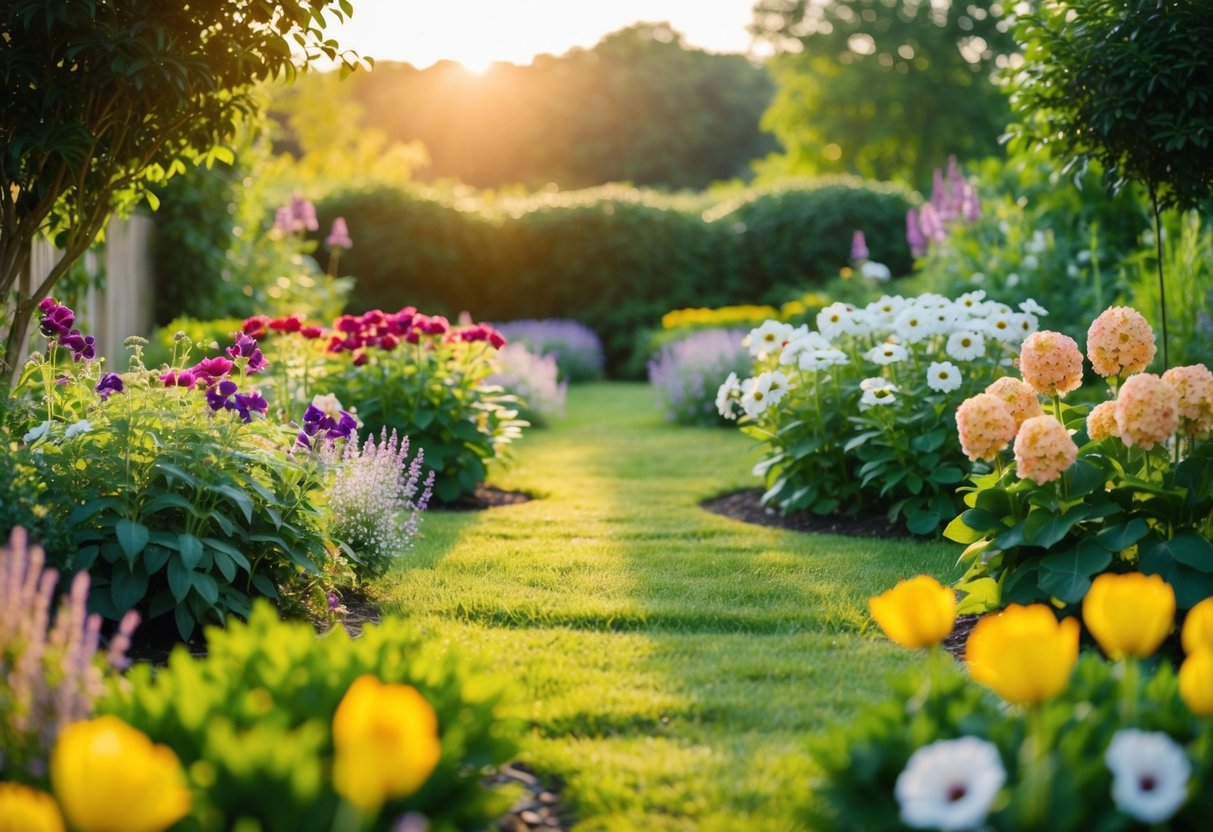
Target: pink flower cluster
pixel 1147 411
pixel 1019 398
pixel 1101 422
pixel 261 326
pixel 1051 363
pixel 1194 387
pixel 355 333
pixel 1043 449
pixel 1120 342
pixel 985 426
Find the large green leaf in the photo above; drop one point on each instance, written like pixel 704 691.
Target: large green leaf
pixel 132 537
pixel 1190 549
pixel 1067 575
pixel 1045 529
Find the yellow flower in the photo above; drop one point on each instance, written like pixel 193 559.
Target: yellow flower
pixel 1196 682
pixel 916 613
pixel 109 777
pixel 1198 627
pixel 1129 614
pixel 1024 654
pixel 387 742
pixel 23 809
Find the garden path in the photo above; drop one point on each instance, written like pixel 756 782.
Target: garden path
pixel 672 663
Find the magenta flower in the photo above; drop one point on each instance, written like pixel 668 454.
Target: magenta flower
pixel 303 214
pixel 859 247
pixel 339 237
pixel 246 347
pixel 185 378
pixel 57 320
pixel 209 370
pixel 918 243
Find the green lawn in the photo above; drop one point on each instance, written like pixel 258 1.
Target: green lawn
pixel 671 663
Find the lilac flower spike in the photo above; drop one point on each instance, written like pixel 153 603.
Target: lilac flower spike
pixel 110 383
pixel 859 248
pixel 339 237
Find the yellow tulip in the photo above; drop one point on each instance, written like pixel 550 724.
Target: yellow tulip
pixel 23 809
pixel 1198 627
pixel 1024 654
pixel 1196 681
pixel 1129 614
pixel 109 777
pixel 918 612
pixel 386 737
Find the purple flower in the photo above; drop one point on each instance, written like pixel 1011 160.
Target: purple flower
pixel 918 243
pixel 246 347
pixel 303 214
pixel 317 422
pixel 83 347
pixel 334 601
pixel 110 383
pixel 249 403
pixel 339 237
pixel 859 247
pixel 224 396
pixel 56 320
pixel 47 304
pixel 209 370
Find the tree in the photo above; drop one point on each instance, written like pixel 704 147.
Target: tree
pixel 884 88
pixel 102 98
pixel 1127 84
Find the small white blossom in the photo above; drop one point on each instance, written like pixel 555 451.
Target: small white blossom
pixel 876 271
pixel 836 319
pixel 805 341
pixel 877 391
pixel 728 393
pixel 766 339
pixel 972 301
pixel 1150 774
pixel 759 393
pixel 77 428
pixel 1024 323
pixel 950 785
pixel 943 376
pixel 1002 327
pixel 965 345
pixel 37 433
pixel 1031 307
pixel 885 354
pixel 913 325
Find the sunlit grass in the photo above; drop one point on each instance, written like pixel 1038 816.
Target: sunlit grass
pixel 672 663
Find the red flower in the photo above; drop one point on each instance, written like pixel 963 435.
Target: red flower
pixel 336 343
pixel 496 339
pixel 388 342
pixel 291 323
pixel 311 331
pixel 254 327
pixel 413 336
pixel 359 358
pixel 347 323
pixel 437 325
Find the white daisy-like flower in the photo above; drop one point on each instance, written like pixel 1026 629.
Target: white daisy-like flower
pixel 972 300
pixel 77 428
pixel 886 308
pixel 805 341
pixel 877 391
pixel 1031 307
pixel 950 785
pixel 913 324
pixel 830 357
pixel 759 393
pixel 1025 324
pixel 766 339
pixel 836 319
pixel 943 319
pixel 1150 774
pixel 728 393
pixel 965 345
pixel 876 271
pixel 887 353
pixel 1002 327
pixel 943 376
pixel 777 386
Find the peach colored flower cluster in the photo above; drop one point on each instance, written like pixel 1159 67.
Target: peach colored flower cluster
pixel 985 426
pixel 1051 363
pixel 1019 398
pixel 1101 421
pixel 1120 342
pixel 1147 410
pixel 1194 386
pixel 1043 449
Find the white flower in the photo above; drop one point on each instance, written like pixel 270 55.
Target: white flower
pixel 972 300
pixel 950 784
pixel 757 394
pixel 728 393
pixel 804 342
pixel 1024 323
pixel 885 354
pixel 1032 307
pixel 836 319
pixel 1037 244
pixel 1029 262
pixel 876 271
pixel 877 391
pixel 77 428
pixel 771 336
pixel 1150 775
pixel 913 324
pixel 943 376
pixel 1002 327
pixel 965 345
pixel 885 309
pixel 821 359
pixel 37 433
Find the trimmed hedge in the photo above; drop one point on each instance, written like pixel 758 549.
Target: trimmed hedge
pixel 616 258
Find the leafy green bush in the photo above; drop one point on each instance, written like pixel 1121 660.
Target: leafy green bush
pixel 614 258
pixel 1131 491
pixel 252 723
pixel 858 414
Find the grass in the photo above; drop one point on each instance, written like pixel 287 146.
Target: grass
pixel 672 664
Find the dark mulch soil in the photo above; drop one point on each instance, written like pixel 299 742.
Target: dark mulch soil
pixel 746 505
pixel 538 808
pixel 485 496
pixel 959 637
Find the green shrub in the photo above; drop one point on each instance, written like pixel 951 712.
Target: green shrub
pixel 615 258
pixel 252 723
pixel 202 333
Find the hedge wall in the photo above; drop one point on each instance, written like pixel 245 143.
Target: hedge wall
pixel 615 258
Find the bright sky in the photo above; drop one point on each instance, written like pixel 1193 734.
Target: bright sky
pixel 478 32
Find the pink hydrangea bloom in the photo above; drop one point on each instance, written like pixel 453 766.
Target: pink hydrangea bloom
pixel 985 426
pixel 1018 396
pixel 1120 342
pixel 1194 387
pixel 1101 421
pixel 1043 449
pixel 1051 363
pixel 1147 410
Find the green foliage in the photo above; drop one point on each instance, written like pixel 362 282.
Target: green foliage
pixel 662 114
pixel 883 88
pixel 614 258
pixel 861 762
pixel 252 723
pixel 75 150
pixel 165 344
pixel 1122 83
pixel 848 419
